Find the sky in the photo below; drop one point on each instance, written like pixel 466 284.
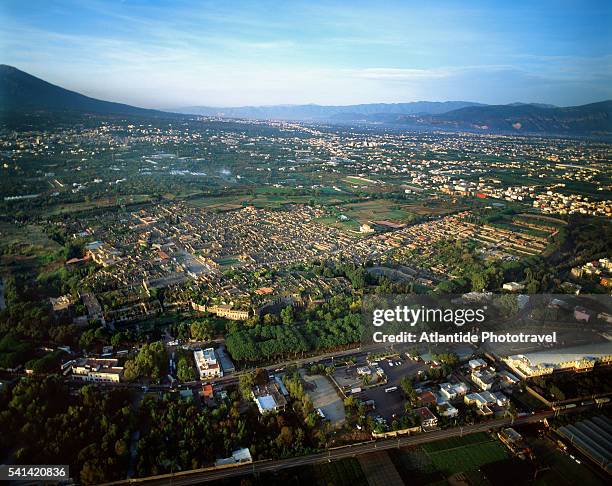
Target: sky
pixel 175 53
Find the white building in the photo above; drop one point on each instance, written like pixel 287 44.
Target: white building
pixel 484 379
pixel 207 364
pixel 241 456
pixel 94 369
pixel 513 286
pixel 268 398
pixel 445 409
pixel 476 364
pixel 450 392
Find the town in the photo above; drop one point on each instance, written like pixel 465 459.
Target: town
pixel 203 284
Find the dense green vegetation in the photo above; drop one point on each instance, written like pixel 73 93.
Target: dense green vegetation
pixel 327 327
pixel 150 362
pixel 42 423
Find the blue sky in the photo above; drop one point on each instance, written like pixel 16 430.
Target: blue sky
pixel 230 53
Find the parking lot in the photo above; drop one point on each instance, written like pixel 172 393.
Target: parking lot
pixel 347 378
pixel 325 397
pixel 392 403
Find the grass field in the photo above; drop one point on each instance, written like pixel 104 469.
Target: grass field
pixel 464 453
pixel 346 472
pixel 378 209
pixel 348 225
pixel 228 261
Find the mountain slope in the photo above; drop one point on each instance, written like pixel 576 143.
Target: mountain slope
pixel 367 112
pixel 591 119
pixel 21 93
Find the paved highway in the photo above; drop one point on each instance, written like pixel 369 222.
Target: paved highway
pixel 211 474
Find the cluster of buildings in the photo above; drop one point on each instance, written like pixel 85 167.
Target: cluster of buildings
pixel 552 202
pixel 180 247
pixel 488 188
pixel 415 243
pixel 598 270
pixel 484 393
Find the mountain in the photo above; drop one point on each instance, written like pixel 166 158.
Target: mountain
pixel 22 93
pixel 591 119
pixel 541 105
pixel 364 112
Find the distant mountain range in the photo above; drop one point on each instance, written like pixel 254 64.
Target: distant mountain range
pixel 22 93
pixel 365 112
pixel 591 119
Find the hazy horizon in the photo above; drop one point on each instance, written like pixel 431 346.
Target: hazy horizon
pixel 162 54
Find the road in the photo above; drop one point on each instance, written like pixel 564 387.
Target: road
pixel 214 474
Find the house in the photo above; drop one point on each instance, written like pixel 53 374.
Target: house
pixel 241 456
pixel 501 399
pixel 364 371
pixel 513 286
pixel 207 363
pixel 476 364
pixel 445 409
pixel 581 314
pixel 428 419
pixel 447 391
pixel 229 313
pixel 481 402
pixel 268 398
pixel 461 389
pixel 450 391
pixel 484 379
pixel 207 391
pixel 427 398
pixel 508 378
pixel 62 302
pixel 489 397
pixel 513 441
pixel 97 369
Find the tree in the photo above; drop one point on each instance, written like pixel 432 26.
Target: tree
pixel 202 330
pixel 479 281
pixel 287 315
pixel 408 390
pixel 184 370
pixel 245 384
pixel 285 437
pixel 121 448
pixel 150 362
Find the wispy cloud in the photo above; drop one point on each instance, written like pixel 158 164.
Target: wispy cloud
pixel 161 53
